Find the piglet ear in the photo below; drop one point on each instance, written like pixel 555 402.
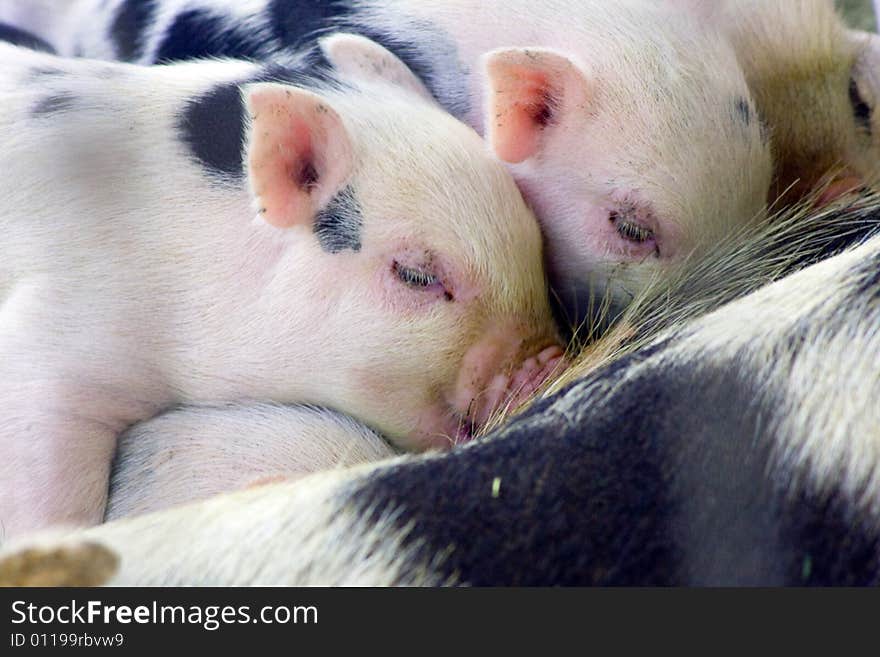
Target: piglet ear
pixel 529 90
pixel 360 58
pixel 299 154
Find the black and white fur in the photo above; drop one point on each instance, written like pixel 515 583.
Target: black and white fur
pixel 624 186
pixel 740 448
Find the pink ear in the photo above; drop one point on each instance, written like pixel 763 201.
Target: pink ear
pixel 299 154
pixel 528 89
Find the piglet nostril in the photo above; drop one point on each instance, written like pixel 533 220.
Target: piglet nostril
pixel 533 374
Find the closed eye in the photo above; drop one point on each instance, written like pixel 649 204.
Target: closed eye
pixel 415 276
pixel 633 232
pixel 422 280
pixel 640 240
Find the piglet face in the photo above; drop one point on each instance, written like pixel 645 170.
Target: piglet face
pixel 826 134
pixel 816 88
pixel 418 261
pixel 630 164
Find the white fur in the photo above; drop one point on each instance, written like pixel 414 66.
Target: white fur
pixel 191 454
pixel 275 535
pixel 659 129
pixel 824 415
pixel 133 280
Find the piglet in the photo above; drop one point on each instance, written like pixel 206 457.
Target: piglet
pixel 628 125
pixel 226 231
pixel 816 84
pixel 193 453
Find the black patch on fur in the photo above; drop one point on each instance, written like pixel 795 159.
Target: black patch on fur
pixel 18 37
pixel 213 126
pixel 338 225
pixel 200 33
pixel 129 28
pixel 656 485
pixel 743 111
pixel 53 104
pixel 834 546
pixel 649 472
pixel 297 23
pixel 862 112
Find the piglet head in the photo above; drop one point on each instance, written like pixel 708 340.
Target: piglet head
pixel 826 130
pixel 816 87
pixel 417 274
pixel 633 153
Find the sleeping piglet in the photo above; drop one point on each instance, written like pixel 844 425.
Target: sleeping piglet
pixel 628 125
pixel 229 231
pixel 816 84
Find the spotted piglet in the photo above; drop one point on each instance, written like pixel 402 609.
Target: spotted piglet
pixel 228 231
pixel 628 125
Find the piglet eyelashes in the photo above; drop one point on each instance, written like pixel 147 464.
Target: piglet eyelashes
pixel 420 278
pixel 630 230
pixel 414 277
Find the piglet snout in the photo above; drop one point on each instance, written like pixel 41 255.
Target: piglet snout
pixel 509 390
pixel 534 372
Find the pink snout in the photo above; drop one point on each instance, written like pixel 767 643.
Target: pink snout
pixel 494 378
pixel 511 390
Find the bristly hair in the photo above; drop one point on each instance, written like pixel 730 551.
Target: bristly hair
pixel 739 265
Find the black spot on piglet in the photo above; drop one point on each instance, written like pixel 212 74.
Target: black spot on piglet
pixel 743 111
pixel 295 23
pixel 199 33
pixel 338 225
pixel 129 28
pixel 213 127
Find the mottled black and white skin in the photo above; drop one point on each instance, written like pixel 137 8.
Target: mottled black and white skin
pixel 738 448
pixel 628 126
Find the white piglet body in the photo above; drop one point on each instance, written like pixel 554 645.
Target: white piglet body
pixel 192 233
pixel 191 454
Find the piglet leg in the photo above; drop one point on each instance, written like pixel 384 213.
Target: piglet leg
pixel 58 426
pixel 55 464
